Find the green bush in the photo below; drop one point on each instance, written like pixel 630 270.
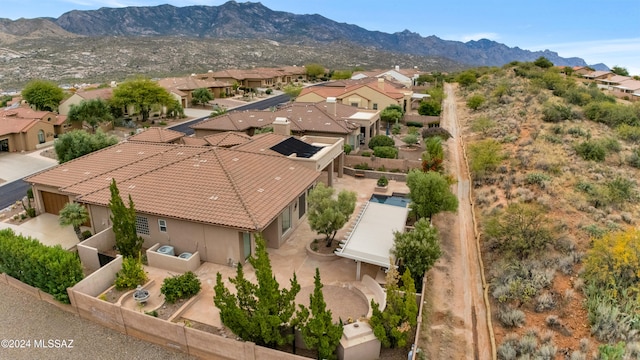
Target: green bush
pixel 436 131
pixel 363 166
pixel 539 179
pixel 180 287
pixel 482 124
pixel 380 140
pixel 552 112
pixel 474 102
pixel 576 132
pixel 634 159
pixel 50 269
pixel 131 275
pixel 415 124
pixel 410 139
pixel 347 149
pixel 383 181
pixel 386 152
pixel 628 132
pixel 396 128
pixel 510 317
pixel 268 91
pixel 612 114
pixel 366 154
pixel 591 150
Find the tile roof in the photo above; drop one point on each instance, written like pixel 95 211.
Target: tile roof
pixel 103 94
pixel 194 141
pixel 219 186
pixel 189 83
pixel 262 143
pixel 347 87
pixel 21 119
pixel 157 135
pixel 629 85
pixel 227 139
pixel 316 117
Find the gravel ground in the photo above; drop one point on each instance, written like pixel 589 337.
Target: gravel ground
pixel 31 321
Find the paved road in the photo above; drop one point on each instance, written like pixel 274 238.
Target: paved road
pixel 12 192
pixel 26 318
pixel 256 105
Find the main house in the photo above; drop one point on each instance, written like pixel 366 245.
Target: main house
pixel 195 198
pixel 326 118
pixel 258 77
pixel 181 88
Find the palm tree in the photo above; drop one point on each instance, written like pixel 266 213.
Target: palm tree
pixel 75 215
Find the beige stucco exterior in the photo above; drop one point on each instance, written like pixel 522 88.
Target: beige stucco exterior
pixel 29 140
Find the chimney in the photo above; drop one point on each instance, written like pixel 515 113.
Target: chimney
pixel 281 126
pixel 381 83
pixel 331 105
pixel 397 68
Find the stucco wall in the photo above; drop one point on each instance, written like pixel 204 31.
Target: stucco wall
pixel 88 249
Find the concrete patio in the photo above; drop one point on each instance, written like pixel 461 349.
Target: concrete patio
pixel 46 229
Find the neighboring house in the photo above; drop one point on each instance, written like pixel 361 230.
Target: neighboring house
pixel 196 198
pixel 406 77
pixel 629 90
pixel 158 135
pixel 258 77
pixel 614 80
pixel 367 93
pixel 581 70
pixel 598 75
pixel 327 118
pixel 24 129
pixel 79 96
pixel 182 88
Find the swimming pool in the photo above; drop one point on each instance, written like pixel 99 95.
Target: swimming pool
pixel 390 200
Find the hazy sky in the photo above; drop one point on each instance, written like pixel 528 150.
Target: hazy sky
pixel 606 31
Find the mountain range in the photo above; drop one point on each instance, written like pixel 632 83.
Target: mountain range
pixel 247 22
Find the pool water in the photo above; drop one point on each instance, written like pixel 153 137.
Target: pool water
pixel 390 200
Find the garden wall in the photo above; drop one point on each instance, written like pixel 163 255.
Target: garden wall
pixel 403 165
pixel 88 249
pixel 35 292
pixel 172 263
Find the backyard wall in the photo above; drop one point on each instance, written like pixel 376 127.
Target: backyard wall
pixel 100 242
pixel 376 162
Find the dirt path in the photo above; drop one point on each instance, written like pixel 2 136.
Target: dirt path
pixel 457 328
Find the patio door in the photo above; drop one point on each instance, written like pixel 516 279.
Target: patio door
pixel 246 244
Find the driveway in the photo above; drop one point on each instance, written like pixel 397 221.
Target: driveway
pixel 15 166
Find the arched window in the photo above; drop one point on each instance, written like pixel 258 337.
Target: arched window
pixel 41 136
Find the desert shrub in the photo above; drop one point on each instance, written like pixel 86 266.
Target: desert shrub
pixel 363 166
pixel 387 152
pixel 484 156
pixel 482 124
pixel 50 269
pixel 539 179
pixel 634 159
pixel 474 102
pixel 180 287
pixel 528 343
pixel 611 351
pixel 594 231
pixel 611 114
pixel 554 139
pixel 577 96
pixel 628 132
pixel 620 190
pixel 510 317
pixel 412 130
pixel 365 154
pixel 577 132
pixel 591 150
pixel 436 131
pixel 396 128
pixel 547 352
pixel 544 302
pixel 507 351
pixel 131 275
pixel 410 139
pixel 521 281
pixel 611 144
pixel 521 230
pixel 553 112
pixel 380 140
pixel 415 124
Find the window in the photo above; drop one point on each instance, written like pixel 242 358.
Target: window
pixel 355 104
pixel 162 224
pixel 286 219
pixel 142 225
pixel 375 106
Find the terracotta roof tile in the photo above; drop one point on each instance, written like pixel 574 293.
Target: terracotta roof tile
pixel 104 94
pixel 212 185
pixel 194 141
pixel 157 135
pixel 227 139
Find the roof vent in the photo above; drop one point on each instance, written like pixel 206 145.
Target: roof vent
pixel 278 178
pixel 87 172
pixel 260 190
pixel 180 153
pixel 140 152
pixel 331 99
pixel 65 170
pixel 235 159
pixel 213 197
pixel 119 150
pixel 131 186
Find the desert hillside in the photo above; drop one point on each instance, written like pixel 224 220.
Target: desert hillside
pixel 554 163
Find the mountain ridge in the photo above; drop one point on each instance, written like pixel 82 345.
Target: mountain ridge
pixel 248 20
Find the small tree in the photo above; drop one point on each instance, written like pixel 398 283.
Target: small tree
pixel 93 112
pixel 292 90
pixel 466 78
pixel 484 156
pixel 319 332
pixel 391 115
pixel 75 215
pixel 123 219
pixel 314 70
pixel 619 70
pixel 257 312
pixel 429 108
pixel 543 62
pixel 142 94
pixel 393 325
pixel 430 193
pixel 417 249
pixel 77 143
pixel 327 215
pixel 410 139
pixel 201 96
pixel 43 95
